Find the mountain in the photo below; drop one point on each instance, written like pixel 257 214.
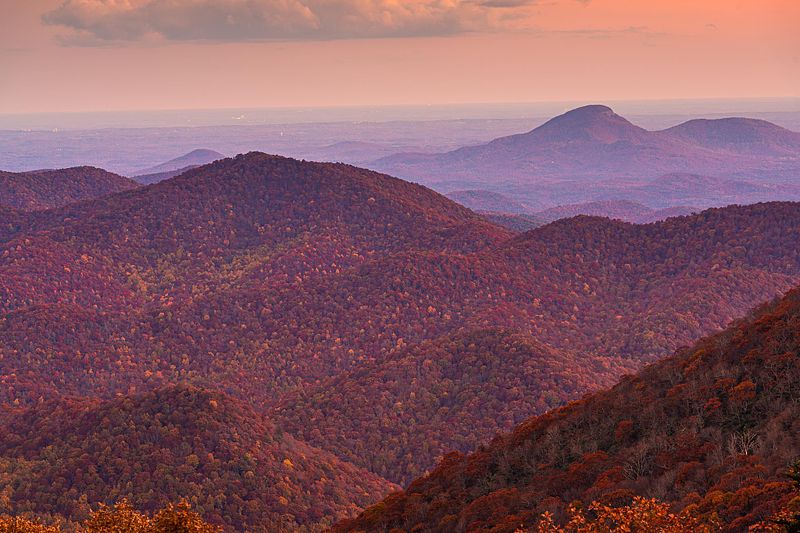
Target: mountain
pixel 667 212
pixel 587 143
pixel 353 152
pixel 693 189
pixel 46 189
pixel 193 159
pixel 595 123
pixel 63 456
pixel 739 135
pixel 162 265
pixel 553 164
pixel 712 430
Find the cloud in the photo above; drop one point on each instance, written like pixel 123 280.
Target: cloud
pixel 120 21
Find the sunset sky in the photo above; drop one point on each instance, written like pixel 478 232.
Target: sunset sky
pixel 94 55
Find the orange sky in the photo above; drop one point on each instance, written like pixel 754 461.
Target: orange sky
pixel 446 52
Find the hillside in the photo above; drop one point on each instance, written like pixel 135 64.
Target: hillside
pixel 64 456
pixel 449 393
pixel 46 189
pixel 610 291
pixel 157 270
pixel 714 428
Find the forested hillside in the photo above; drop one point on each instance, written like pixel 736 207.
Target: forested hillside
pixel 365 316
pixel 45 189
pixel 232 465
pixel 713 430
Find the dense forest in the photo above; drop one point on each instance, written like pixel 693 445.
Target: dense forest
pixel 355 324
pixel 45 189
pixel 713 430
pixel 457 391
pixel 232 465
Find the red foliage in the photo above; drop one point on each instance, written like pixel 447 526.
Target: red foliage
pixel 232 465
pixel 728 464
pixel 46 189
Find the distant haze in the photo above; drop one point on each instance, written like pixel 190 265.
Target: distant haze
pixel 96 55
pixel 647 113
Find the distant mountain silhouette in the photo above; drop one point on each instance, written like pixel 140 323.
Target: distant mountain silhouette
pixel 149 179
pixel 595 123
pixel 554 163
pixel 617 209
pixel 514 221
pixel 479 200
pixel 178 165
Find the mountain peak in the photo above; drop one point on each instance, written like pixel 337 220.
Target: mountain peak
pixel 598 123
pixel 591 110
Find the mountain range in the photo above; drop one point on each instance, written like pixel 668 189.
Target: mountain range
pixel 284 342
pixel 552 164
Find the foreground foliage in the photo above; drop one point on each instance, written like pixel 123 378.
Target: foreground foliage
pixel 642 515
pixel 121 518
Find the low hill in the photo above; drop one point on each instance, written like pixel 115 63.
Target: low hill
pixel 457 391
pixel 46 189
pixel 615 209
pixel 713 428
pixel 739 135
pixel 62 457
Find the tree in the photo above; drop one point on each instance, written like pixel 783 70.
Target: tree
pixel 642 515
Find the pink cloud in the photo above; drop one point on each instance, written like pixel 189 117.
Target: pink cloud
pixel 104 21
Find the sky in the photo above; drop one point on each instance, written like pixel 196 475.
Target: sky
pixel 114 55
